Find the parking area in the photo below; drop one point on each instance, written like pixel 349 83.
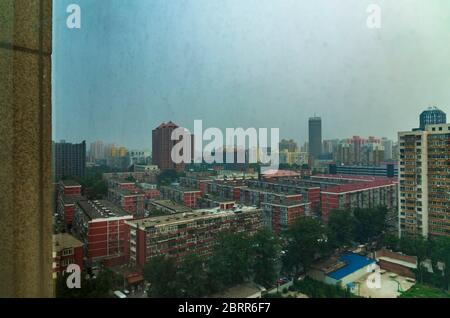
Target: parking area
pixel 390 287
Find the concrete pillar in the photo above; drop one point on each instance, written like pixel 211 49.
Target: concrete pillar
pixel 25 143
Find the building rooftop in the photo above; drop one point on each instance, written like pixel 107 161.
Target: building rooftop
pixel 279 173
pixel 101 209
pixel 63 240
pixel 181 188
pixel 70 199
pixel 287 203
pixel 350 177
pixel 188 217
pixel 127 192
pixel 70 183
pixel 171 205
pixel 353 187
pixel 291 192
pixel 353 262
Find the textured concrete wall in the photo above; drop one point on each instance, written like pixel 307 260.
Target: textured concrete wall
pixel 25 156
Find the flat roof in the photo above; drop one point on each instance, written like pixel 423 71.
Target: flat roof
pixel 64 240
pixel 171 205
pixel 101 209
pixel 71 199
pixel 353 187
pixel 127 192
pixel 181 188
pixel 350 177
pixel 280 173
pixel 70 183
pixel 353 262
pixel 287 203
pixel 187 217
pixel 271 191
pixel 398 262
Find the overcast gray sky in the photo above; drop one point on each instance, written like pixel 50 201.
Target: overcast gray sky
pixel 247 63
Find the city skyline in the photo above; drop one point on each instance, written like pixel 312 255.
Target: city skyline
pixel 230 65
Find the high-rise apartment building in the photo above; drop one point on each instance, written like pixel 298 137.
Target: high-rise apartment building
pixel 424 200
pixel 315 137
pixel 69 160
pixel 162 145
pixel 432 116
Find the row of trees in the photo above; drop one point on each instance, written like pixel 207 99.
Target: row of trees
pixel 236 258
pixel 359 225
pixel 434 250
pixel 309 239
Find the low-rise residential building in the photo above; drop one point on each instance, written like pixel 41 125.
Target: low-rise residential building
pixel 184 195
pixel 368 192
pixel 66 250
pixel 68 194
pixel 100 225
pixel 279 216
pixel 182 234
pixel 132 201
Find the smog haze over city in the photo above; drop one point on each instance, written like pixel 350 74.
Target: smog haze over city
pixel 135 64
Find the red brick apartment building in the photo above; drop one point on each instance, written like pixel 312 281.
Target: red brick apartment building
pixel 132 201
pixel 226 189
pixel 183 195
pixel 279 216
pixel 101 226
pixel 358 192
pixel 66 250
pixel 310 191
pixel 182 234
pixel 68 194
pixel 162 145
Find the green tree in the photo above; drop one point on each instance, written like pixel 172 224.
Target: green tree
pixel 391 241
pixel 341 228
pixel 369 223
pixel 265 252
pixel 160 272
pixel 99 287
pixel 230 263
pixel 306 241
pixel 192 277
pixel 440 252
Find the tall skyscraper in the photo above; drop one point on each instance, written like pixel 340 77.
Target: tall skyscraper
pixel 432 116
pixel 315 137
pixel 69 160
pixel 424 177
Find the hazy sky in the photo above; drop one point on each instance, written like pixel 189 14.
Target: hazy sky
pixel 247 63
